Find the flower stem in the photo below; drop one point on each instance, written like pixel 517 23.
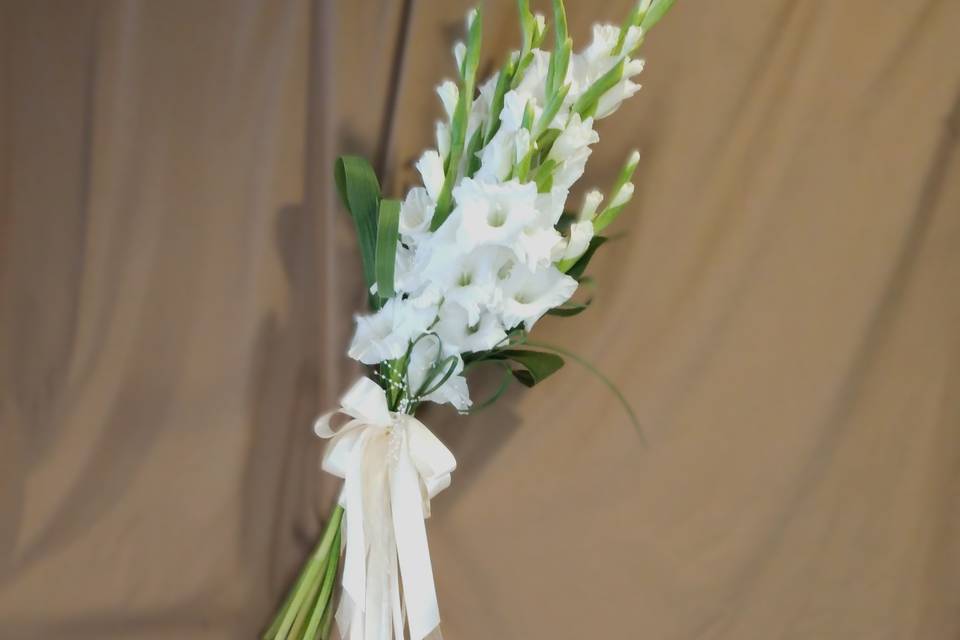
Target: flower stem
pixel 301 597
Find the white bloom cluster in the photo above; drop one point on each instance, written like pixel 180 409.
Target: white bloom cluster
pixel 497 262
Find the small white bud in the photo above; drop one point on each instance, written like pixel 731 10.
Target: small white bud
pixel 541 24
pixel 622 196
pixel 449 93
pixel 459 53
pixel 522 142
pixel 633 160
pixel 471 16
pixel 443 139
pixel 633 67
pixel 591 202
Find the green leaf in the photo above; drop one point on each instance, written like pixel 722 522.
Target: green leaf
pixel 387 238
pixel 522 65
pixel 543 175
pixel 560 22
pixel 501 388
pixel 360 193
pixel 577 268
pixel 527 121
pixel 550 111
pixel 569 310
pixel 609 214
pixel 496 104
pixel 473 161
pixel 656 12
pixel 604 379
pixel 546 140
pixel 586 104
pixel 633 19
pixel 536 365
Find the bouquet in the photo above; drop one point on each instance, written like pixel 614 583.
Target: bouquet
pixel 458 274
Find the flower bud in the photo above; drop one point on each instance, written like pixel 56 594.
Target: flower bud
pixel 591 202
pixel 622 196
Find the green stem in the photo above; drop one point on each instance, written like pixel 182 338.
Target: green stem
pixel 300 621
pixel 324 602
pixel 305 583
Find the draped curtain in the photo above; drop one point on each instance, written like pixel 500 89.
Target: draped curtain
pixel 177 285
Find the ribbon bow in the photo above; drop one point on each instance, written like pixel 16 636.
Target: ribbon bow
pixel 391 465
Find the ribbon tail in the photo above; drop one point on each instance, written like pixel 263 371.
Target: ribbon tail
pixel 354 583
pixel 413 553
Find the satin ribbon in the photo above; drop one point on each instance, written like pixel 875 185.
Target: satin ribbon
pixel 392 465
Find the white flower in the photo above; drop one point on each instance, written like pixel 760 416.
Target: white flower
pixel 423 358
pixel 509 143
pixel 537 245
pixel 442 134
pixel 611 100
pixel 449 94
pixel 469 279
pixel 430 166
pixel 416 211
pixel 527 295
pixel 386 334
pixel 459 53
pixel 591 202
pixel 496 159
pixel 578 240
pixel 571 150
pixel 533 84
pixel 459 335
pixel 493 214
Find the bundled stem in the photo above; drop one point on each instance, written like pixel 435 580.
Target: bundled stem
pixel 310 601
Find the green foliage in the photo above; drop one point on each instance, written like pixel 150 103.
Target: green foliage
pixel 655 13
pixel 534 366
pixel 387 238
pixel 578 266
pixel 458 126
pixel 360 193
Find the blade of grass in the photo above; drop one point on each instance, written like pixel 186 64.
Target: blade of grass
pixel 604 379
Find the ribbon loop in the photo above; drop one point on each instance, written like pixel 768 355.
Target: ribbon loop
pixel 392 465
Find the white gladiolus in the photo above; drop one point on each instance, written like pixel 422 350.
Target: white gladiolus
pixel 493 214
pixel 491 268
pixel 580 235
pixel 430 167
pixel 528 295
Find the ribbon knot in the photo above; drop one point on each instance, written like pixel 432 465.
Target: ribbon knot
pixel 392 465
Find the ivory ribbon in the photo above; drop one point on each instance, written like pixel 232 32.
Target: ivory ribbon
pixel 391 465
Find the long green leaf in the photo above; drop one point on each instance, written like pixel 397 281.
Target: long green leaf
pixel 603 379
pixel 536 365
pixel 496 105
pixel 387 238
pixel 551 110
pixel 657 11
pixel 473 161
pixel 501 387
pixel 360 193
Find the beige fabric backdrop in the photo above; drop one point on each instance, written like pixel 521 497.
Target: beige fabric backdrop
pixel 177 282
